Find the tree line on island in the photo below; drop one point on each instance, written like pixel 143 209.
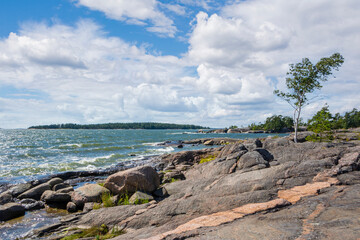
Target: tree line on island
pixel 139 125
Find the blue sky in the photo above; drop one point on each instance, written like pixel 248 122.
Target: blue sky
pixel 214 63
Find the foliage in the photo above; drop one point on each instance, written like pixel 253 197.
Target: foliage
pixel 304 78
pixel 207 159
pixel 144 125
pixel 141 201
pixel 275 123
pixel 96 206
pixel 255 126
pixel 233 127
pixel 107 201
pixel 321 124
pixel 124 199
pixel 101 233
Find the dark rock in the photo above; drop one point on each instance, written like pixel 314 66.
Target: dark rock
pixel 20 188
pixel 71 207
pixel 31 204
pixel 143 178
pixel 35 192
pixel 265 154
pixel 161 193
pixel 65 190
pixel 11 210
pixel 60 186
pixel 252 159
pixel 180 146
pixel 5 197
pixel 55 181
pixel 173 175
pixel 54 197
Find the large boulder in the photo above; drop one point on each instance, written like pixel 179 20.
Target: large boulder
pixel 143 178
pixel 35 192
pixel 88 193
pixel 31 204
pixel 11 210
pixel 20 188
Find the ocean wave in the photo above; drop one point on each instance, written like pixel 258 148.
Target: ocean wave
pixel 152 144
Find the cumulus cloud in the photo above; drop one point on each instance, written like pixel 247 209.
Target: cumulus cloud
pixel 138 12
pixel 244 51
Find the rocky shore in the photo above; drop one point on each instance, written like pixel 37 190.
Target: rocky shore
pixel 270 188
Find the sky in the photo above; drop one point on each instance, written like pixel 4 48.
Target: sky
pixel 206 62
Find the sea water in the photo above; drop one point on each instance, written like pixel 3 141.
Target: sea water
pixel 30 153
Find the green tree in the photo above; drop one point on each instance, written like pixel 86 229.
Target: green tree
pixel 304 78
pixel 277 123
pixel 321 124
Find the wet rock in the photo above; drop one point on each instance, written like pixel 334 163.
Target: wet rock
pixel 5 197
pixel 139 197
pixel 35 192
pixel 11 210
pixel 31 204
pixel 143 178
pixel 20 188
pixel 71 207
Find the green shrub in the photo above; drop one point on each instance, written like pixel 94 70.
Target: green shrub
pixel 124 199
pixel 101 233
pixel 106 199
pixel 96 206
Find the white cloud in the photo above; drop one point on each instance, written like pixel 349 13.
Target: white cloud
pixel 136 12
pixel 244 51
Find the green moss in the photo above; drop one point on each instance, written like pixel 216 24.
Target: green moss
pixel 101 184
pixel 141 201
pixel 101 233
pixel 207 159
pixel 96 206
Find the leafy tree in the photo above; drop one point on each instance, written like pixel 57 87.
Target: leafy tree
pixel 277 123
pixel 304 78
pixel 321 124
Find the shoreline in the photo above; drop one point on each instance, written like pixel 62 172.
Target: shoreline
pixel 178 168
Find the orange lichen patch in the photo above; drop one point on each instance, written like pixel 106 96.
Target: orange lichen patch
pixel 296 193
pixel 258 207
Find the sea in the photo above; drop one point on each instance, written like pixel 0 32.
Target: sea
pixel 30 154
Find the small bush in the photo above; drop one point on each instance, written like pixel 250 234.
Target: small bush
pixel 106 200
pixel 96 206
pixel 124 199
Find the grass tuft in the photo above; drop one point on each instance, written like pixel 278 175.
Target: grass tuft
pixel 207 159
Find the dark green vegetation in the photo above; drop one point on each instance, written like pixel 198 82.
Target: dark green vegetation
pixel 304 78
pixel 145 125
pixel 323 122
pixel 276 123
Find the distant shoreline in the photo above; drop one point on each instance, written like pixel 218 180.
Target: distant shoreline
pixel 141 125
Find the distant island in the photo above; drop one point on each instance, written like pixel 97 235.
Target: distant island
pixel 143 125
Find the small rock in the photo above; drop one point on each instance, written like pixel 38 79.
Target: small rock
pixel 92 192
pixel 71 207
pixel 65 190
pixel 11 210
pixel 140 197
pixel 88 207
pixel 60 186
pixel 180 146
pixel 54 197
pixel 31 204
pixel 55 181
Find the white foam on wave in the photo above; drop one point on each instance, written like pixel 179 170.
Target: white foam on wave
pixel 167 149
pixel 152 144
